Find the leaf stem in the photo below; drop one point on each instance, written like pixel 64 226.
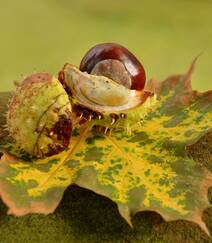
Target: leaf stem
pixel 70 153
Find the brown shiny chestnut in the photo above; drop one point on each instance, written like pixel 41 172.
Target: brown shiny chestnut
pixel 114 61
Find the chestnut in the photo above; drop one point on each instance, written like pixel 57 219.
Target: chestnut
pixel 116 62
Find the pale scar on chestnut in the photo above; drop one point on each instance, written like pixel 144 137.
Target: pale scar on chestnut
pixel 124 61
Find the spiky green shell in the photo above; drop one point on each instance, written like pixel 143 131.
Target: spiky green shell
pixel 128 119
pixel 39 115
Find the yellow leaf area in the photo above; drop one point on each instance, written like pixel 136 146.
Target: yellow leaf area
pixel 44 180
pixel 158 126
pixel 45 173
pixel 125 166
pixel 127 161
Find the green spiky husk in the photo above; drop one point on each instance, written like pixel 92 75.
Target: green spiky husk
pixel 126 119
pixel 39 103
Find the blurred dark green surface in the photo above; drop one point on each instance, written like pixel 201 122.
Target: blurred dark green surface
pixel 166 35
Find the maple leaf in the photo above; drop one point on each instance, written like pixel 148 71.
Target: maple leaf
pixel 144 169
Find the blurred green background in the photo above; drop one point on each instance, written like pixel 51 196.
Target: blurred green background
pixel 165 35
